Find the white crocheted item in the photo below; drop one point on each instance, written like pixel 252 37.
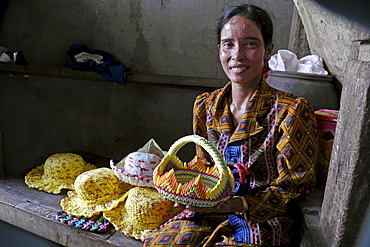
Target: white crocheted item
pixel 137 169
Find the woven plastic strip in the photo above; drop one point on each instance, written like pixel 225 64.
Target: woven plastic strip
pixel 195 183
pixel 96 223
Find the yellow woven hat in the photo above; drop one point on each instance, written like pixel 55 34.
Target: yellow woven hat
pixel 58 172
pixel 96 191
pixel 144 209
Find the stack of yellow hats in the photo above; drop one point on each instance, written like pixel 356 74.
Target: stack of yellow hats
pixel 125 193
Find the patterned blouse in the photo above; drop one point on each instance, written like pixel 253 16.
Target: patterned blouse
pixel 274 149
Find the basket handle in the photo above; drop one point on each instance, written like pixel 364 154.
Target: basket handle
pixel 204 143
pixel 212 151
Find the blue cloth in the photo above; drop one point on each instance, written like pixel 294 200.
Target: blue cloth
pixel 111 69
pixel 241 228
pixel 233 155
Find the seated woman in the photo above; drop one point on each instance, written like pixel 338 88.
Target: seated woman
pixel 268 137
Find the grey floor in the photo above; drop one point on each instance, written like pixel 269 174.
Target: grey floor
pixel 12 236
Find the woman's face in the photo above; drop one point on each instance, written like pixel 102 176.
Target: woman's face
pixel 242 51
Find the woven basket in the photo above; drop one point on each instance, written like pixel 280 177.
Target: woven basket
pixel 195 183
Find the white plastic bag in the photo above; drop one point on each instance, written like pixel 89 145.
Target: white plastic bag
pixel 286 60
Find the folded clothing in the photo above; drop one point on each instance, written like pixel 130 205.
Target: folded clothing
pixel 82 58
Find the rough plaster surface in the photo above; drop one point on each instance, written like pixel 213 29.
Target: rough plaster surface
pixel 331 36
pixel 348 187
pixel 41 116
pixel 298 43
pixel 170 37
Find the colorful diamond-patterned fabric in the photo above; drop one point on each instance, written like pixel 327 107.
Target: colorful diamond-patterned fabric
pixel 278 146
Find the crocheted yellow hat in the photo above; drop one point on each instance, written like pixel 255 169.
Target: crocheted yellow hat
pixel 96 191
pixel 144 209
pixel 58 172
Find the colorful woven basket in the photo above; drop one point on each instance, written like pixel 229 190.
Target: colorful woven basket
pixel 195 183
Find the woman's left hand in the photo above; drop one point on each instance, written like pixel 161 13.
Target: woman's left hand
pixel 229 206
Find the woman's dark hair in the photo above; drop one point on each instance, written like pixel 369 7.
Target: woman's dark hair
pixel 254 13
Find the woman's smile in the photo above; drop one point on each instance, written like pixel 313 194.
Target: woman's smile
pixel 239 69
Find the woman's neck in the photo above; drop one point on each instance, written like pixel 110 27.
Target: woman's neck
pixel 238 100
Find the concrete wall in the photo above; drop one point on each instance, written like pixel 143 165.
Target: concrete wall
pixel 41 116
pixel 170 37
